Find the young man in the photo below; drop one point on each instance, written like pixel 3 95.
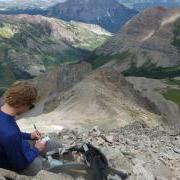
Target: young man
pixel 16 153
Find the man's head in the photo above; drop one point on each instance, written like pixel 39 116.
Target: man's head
pixel 20 96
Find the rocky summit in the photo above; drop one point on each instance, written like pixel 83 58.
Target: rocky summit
pixel 145 153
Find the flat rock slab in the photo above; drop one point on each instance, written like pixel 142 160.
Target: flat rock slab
pixel 42 175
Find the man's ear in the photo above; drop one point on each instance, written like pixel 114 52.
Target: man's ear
pixel 18 116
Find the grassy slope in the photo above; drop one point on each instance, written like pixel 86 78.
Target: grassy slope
pixel 176 32
pixel 150 70
pixel 15 36
pixel 172 95
pixel 99 60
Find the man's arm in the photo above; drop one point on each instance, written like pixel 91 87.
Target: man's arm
pixel 26 136
pixel 36 135
pixel 18 152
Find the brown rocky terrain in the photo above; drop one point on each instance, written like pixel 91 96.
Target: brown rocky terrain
pixel 147 153
pixel 55 82
pixel 147 51
pixel 148 37
pixel 103 98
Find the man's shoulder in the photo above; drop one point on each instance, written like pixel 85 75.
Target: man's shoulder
pixel 8 136
pixel 7 128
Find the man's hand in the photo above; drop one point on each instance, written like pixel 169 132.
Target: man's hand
pixel 40 145
pixel 36 135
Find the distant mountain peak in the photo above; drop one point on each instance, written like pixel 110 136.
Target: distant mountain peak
pixel 109 14
pixel 152 37
pixel 143 4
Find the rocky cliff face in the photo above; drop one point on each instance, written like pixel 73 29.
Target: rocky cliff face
pixel 56 81
pixel 149 38
pixel 109 14
pixel 147 46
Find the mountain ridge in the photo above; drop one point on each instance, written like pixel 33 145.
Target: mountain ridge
pixel 143 4
pixel 146 52
pixel 152 28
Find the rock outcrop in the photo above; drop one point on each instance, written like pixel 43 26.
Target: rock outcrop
pixel 42 175
pixel 57 80
pixel 144 152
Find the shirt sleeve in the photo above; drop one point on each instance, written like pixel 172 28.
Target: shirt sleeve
pixel 26 136
pixel 19 152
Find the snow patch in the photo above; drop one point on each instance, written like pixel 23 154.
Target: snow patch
pixel 170 19
pixel 108 14
pixel 95 29
pixel 148 36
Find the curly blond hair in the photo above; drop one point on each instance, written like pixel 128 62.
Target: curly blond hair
pixel 21 93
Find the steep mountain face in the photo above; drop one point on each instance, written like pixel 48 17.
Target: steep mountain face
pixel 32 44
pixel 108 99
pixel 102 98
pixel 143 4
pixel 55 81
pixel 147 48
pixel 107 13
pixel 149 40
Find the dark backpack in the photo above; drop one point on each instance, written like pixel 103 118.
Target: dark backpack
pixel 97 163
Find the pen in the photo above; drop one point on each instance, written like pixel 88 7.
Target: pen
pixel 36 129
